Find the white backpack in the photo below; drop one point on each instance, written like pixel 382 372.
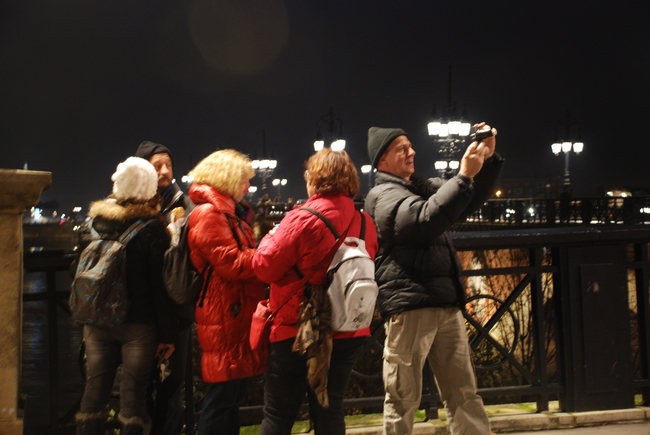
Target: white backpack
pixel 351 275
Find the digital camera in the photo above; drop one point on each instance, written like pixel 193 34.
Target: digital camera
pixel 480 134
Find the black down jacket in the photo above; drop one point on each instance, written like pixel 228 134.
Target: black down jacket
pixel 417 265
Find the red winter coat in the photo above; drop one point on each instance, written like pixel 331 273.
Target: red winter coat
pixel 304 240
pixel 224 240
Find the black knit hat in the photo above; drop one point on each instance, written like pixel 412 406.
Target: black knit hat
pixel 379 139
pixel 148 149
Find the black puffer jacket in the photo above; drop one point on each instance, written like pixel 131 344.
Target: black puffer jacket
pixel 176 199
pixel 144 255
pixel 417 265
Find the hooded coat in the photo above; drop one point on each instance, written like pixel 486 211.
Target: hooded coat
pixel 144 260
pixel 417 265
pixel 219 236
pixel 305 241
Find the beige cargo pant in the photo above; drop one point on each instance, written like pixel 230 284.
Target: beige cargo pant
pixel 439 336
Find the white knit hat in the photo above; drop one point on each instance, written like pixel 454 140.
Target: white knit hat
pixel 135 178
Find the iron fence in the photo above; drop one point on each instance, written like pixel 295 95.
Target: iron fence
pixel 555 312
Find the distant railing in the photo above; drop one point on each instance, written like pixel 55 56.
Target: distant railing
pixel 563 211
pixel 538 212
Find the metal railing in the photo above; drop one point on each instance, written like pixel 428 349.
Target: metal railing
pixel 563 211
pixel 547 290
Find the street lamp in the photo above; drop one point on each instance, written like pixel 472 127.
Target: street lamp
pixel 449 132
pixel 565 146
pixel 334 127
pixel 367 169
pixel 279 182
pixel 264 167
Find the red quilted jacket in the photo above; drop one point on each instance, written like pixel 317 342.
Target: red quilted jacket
pixel 304 240
pixel 219 237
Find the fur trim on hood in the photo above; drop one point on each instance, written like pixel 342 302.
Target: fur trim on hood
pixel 109 209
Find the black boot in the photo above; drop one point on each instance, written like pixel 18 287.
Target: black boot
pixel 90 423
pixel 134 425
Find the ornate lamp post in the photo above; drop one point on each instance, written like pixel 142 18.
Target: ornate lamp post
pixel 264 167
pixel 334 127
pixel 565 146
pixel 449 132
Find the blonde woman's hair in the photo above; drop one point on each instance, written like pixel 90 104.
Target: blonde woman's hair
pixel 223 170
pixel 332 172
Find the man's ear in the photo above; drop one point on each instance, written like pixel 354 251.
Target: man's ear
pixel 381 162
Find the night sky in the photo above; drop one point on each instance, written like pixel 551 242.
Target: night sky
pixel 83 82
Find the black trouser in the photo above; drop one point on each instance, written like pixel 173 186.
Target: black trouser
pixel 286 385
pixel 169 407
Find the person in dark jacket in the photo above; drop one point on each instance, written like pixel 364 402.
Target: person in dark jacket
pixel 146 333
pixel 169 407
pixel 420 292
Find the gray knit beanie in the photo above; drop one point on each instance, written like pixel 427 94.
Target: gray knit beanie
pixel 379 139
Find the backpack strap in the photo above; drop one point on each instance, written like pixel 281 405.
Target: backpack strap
pixel 93 233
pixel 324 219
pixel 127 235
pixel 362 233
pixel 234 232
pixel 133 230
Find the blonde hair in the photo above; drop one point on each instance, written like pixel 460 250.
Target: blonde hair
pixel 223 170
pixel 332 172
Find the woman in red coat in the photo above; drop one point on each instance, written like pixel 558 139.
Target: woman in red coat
pixel 304 240
pixel 221 238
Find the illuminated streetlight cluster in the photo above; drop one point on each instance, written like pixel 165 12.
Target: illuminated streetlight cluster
pixel 264 167
pixel 565 146
pixel 449 132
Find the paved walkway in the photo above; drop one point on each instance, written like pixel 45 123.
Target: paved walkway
pixel 635 421
pixel 610 429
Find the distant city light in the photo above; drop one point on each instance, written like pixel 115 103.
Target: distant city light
pixel 36 214
pixel 76 209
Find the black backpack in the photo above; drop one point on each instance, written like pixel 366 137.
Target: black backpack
pixel 182 281
pixel 98 293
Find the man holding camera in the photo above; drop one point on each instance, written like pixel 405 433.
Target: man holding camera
pixel 421 294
